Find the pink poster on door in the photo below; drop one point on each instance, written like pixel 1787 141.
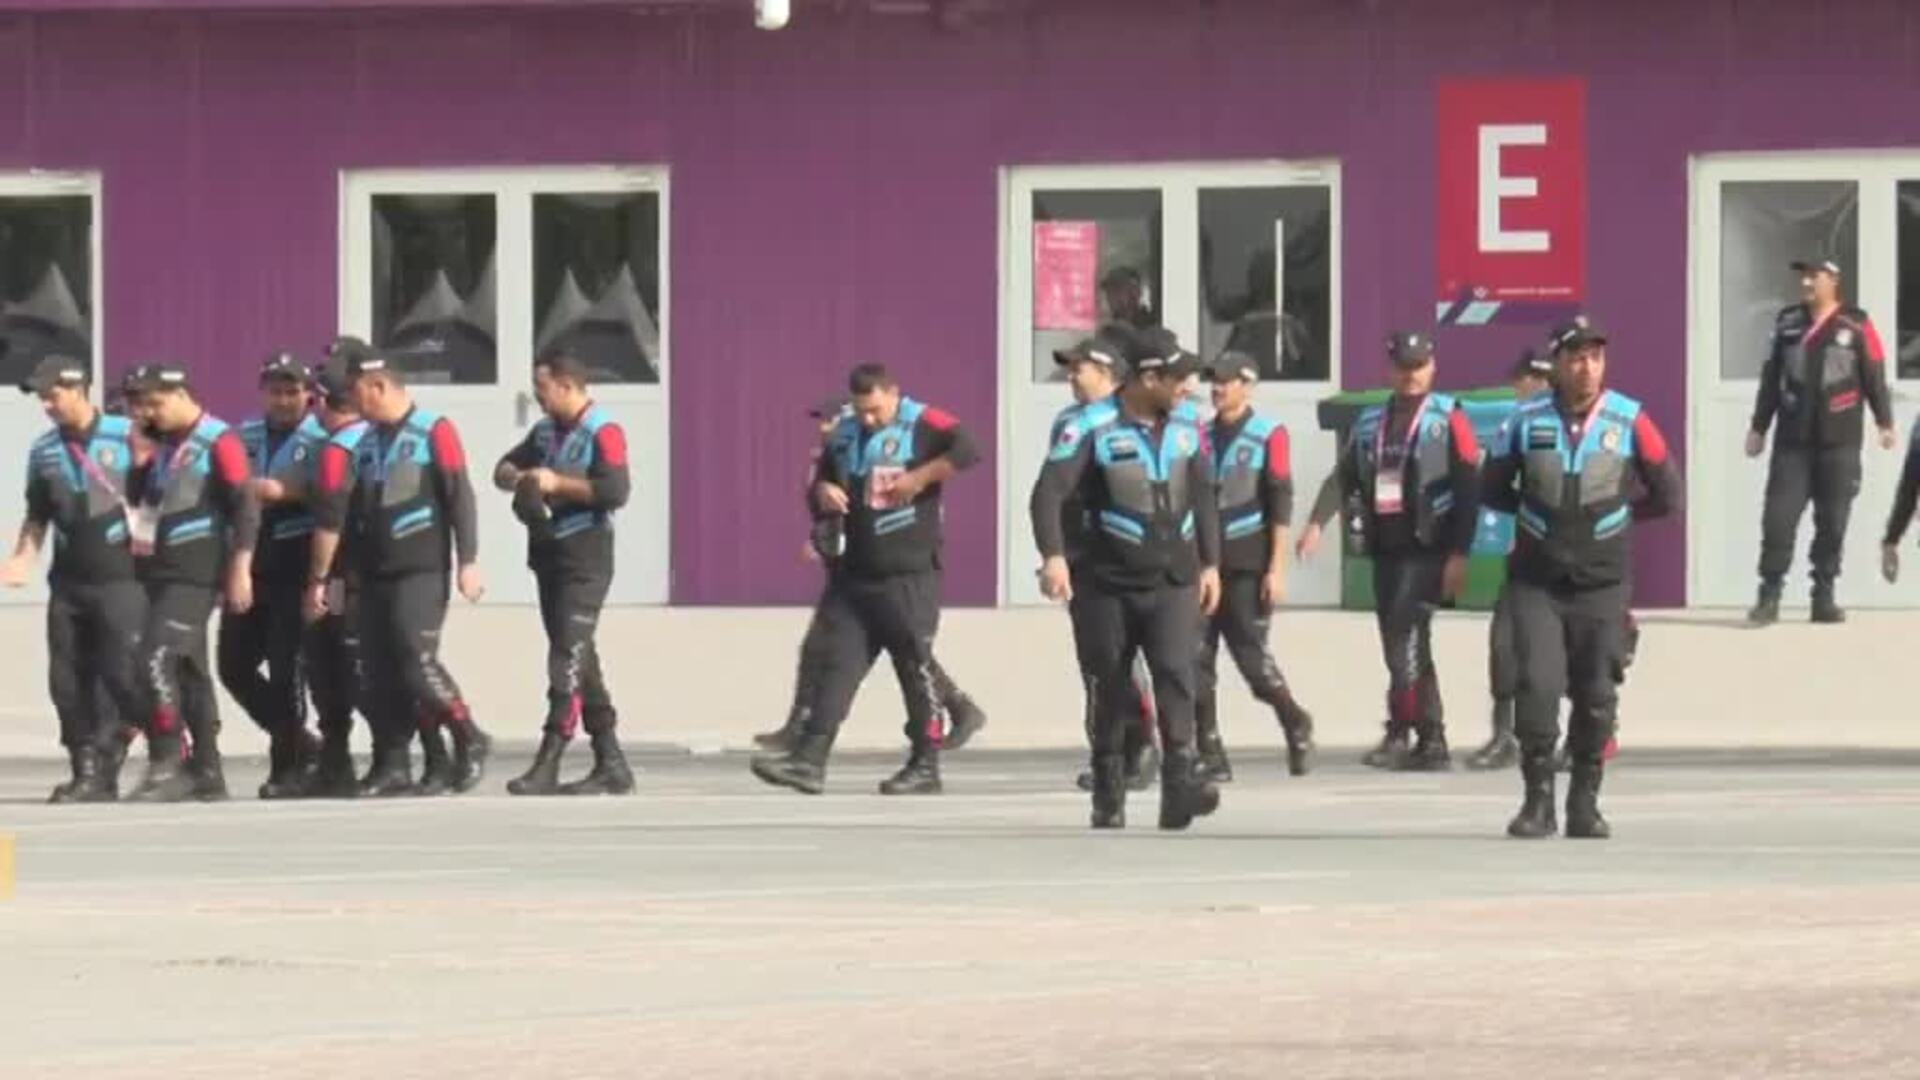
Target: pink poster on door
pixel 1066 262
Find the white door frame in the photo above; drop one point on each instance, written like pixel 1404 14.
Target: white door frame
pixel 1177 303
pixel 34 183
pixel 1709 394
pixel 644 571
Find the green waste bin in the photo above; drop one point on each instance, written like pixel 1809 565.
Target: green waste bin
pixel 1487 408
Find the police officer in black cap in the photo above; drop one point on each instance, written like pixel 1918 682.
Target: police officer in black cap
pixel 1409 476
pixel 78 476
pixel 1826 361
pixel 1253 474
pixel 1532 376
pixel 883 470
pixel 826 543
pixel 281 445
pixel 1150 573
pixel 1575 469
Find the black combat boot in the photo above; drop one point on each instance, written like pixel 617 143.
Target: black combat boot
pixel 1206 737
pixel 436 765
pixel 1583 802
pixel 1392 751
pixel 803 769
pixel 1297 723
pixel 1536 816
pixel 1185 791
pixel 1766 609
pixel 1110 792
pixel 333 777
pixel 471 748
pixel 610 774
pixel 919 776
pixel 293 760
pixel 783 739
pixel 965 718
pixel 1826 609
pixel 543 776
pixel 113 757
pixel 391 773
pixel 167 779
pixel 209 777
pixel 1430 753
pixel 85 762
pixel 1502 749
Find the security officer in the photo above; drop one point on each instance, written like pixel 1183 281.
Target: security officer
pixel 281 446
pixel 568 478
pixel 1532 376
pixel 1825 362
pixel 409 507
pixel 1576 469
pixel 78 476
pixel 332 643
pixel 1095 369
pixel 1410 478
pixel 826 542
pixel 883 470
pixel 194 521
pixel 1906 498
pixel 1254 477
pixel 1150 571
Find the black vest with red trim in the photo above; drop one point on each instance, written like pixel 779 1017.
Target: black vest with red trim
pixel 399 504
pixel 190 537
pixel 1426 477
pixel 1820 390
pixel 1575 521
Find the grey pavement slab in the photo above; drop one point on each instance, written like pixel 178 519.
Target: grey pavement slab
pixel 1755 916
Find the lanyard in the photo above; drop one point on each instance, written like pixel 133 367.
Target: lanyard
pixel 163 467
pixel 1413 429
pixel 92 469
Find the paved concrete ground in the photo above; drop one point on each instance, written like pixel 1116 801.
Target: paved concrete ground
pixel 1750 920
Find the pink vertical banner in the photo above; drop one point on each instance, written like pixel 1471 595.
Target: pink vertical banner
pixel 1066 264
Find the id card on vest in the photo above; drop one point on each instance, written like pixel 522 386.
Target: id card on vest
pixel 143 528
pixel 1387 495
pixel 880 484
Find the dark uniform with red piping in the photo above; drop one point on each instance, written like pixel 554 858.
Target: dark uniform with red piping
pixel 1410 477
pixel 570 550
pixel 827 536
pixel 332 646
pixel 884 591
pixel 1253 476
pixel 1575 484
pixel 1817 378
pixel 409 509
pixel 1146 489
pixel 77 483
pixel 193 511
pixel 270 633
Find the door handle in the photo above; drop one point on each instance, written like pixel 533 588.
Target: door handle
pixel 522 405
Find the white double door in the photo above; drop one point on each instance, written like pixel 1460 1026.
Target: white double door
pixel 471 274
pixel 1245 254
pixel 1753 214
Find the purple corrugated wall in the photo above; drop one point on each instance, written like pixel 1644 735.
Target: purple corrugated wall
pixel 834 185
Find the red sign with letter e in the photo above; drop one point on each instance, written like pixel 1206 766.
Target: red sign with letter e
pixel 1512 208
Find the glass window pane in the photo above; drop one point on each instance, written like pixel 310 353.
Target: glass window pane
pixel 1241 301
pixel 433 286
pixel 46 282
pixel 1764 226
pixel 596 282
pixel 1906 343
pixel 1096 258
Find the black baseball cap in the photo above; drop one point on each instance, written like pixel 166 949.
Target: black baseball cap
pixel 331 383
pixel 1573 335
pixel 363 361
pixel 285 366
pixel 1156 349
pixel 1409 348
pixel 828 408
pixel 1533 362
pixel 54 371
pixel 1232 364
pixel 1816 266
pixel 1099 349
pixel 148 378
